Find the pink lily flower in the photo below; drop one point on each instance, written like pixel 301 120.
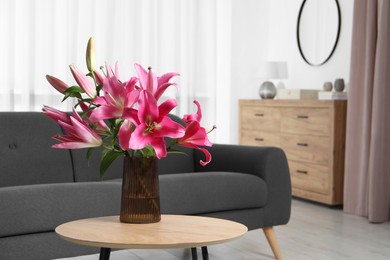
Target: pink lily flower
pixel 83 81
pixel 155 85
pixel 80 135
pixel 58 84
pixel 194 117
pixel 153 124
pixel 117 97
pixel 196 136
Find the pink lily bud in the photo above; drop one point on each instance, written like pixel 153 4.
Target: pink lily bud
pixel 56 114
pixel 83 81
pixel 90 55
pixel 58 84
pixel 98 77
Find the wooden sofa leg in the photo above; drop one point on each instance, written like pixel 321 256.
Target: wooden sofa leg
pixel 271 237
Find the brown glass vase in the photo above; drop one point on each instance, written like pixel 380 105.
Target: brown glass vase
pixel 140 191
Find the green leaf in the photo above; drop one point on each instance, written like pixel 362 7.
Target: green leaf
pixel 99 87
pixel 89 153
pixel 108 158
pixel 73 91
pixel 149 151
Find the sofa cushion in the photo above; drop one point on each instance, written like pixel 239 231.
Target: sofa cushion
pixel 40 208
pixel 26 156
pixel 205 192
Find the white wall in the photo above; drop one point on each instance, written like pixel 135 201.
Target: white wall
pixel 283 46
pixel 266 30
pixel 249 46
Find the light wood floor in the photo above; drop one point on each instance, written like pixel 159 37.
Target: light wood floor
pixel 314 232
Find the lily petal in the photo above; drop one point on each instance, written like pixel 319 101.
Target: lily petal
pixel 159 146
pixel 166 107
pixel 73 145
pixel 162 89
pixel 148 110
pixel 203 150
pixel 104 112
pixel 194 117
pixel 86 133
pixel 142 75
pixel 124 134
pixel 163 79
pixel 207 154
pixel 139 139
pixel 83 81
pixel 99 78
pixel 169 128
pixel 152 81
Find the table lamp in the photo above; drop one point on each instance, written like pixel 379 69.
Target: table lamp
pixel 271 70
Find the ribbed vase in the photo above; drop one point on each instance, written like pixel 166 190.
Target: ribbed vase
pixel 140 191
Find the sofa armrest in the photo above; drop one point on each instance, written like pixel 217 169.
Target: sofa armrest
pixel 268 163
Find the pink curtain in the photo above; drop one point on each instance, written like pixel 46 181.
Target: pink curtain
pixel 367 166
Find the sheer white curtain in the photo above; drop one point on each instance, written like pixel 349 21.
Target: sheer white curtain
pixel 192 37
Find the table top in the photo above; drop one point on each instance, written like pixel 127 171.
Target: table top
pixel 173 231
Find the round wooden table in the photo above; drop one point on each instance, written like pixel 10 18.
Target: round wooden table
pixel 173 231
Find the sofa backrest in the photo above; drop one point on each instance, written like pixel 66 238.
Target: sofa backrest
pixel 26 156
pixel 176 162
pixel 88 170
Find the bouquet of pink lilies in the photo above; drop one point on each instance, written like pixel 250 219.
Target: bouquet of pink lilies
pixel 124 118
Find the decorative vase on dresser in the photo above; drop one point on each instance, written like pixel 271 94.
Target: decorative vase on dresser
pixel 312 134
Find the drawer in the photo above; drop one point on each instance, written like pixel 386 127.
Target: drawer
pixel 312 149
pixel 311 121
pixel 309 177
pixel 259 138
pixel 260 118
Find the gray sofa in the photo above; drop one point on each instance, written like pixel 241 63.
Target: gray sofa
pixel 42 187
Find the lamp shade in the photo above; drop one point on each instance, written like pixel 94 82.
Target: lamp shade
pixel 272 70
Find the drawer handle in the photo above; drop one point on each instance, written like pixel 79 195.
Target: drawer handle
pixel 302 172
pixel 259 139
pixel 259 114
pixel 302 144
pixel 302 117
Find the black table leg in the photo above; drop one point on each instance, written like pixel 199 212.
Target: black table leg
pixel 205 253
pixel 105 253
pixel 194 253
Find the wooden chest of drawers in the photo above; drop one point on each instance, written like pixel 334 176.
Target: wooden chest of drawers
pixel 312 134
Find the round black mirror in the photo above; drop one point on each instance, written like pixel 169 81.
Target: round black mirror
pixel 318 30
